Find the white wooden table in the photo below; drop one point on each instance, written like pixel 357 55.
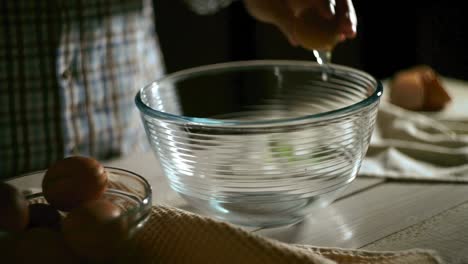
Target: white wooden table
pixel 372 214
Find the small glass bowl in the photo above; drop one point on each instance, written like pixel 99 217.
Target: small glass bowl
pixel 127 190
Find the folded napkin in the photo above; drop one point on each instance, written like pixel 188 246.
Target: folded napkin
pixel 175 236
pixel 409 145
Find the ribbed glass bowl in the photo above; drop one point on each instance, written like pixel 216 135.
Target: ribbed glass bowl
pixel 260 143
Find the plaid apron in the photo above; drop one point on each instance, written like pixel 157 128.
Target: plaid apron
pixel 69 72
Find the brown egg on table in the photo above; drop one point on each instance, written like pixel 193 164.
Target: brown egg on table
pixel 436 97
pixel 74 181
pixel 14 213
pixel 40 245
pixel 418 89
pixel 95 230
pixel 44 215
pixel 407 90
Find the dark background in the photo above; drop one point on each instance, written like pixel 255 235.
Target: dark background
pixel 392 35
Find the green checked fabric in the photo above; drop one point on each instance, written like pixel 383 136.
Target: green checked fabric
pixel 69 71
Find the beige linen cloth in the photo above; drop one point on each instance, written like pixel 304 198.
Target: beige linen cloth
pixel 175 236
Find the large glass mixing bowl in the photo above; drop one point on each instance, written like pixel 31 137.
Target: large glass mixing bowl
pixel 260 143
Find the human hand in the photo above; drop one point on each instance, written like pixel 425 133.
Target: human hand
pixel 312 24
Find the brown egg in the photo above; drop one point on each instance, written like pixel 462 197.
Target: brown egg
pixel 418 89
pixel 14 212
pixel 407 91
pixel 44 215
pixel 436 97
pixel 316 32
pixel 73 181
pixel 40 245
pixel 94 230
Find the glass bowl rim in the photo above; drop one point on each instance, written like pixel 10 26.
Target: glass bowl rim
pixel 211 122
pixel 143 205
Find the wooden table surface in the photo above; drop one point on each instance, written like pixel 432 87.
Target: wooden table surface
pixel 372 214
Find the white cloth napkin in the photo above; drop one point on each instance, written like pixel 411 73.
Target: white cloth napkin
pixel 409 145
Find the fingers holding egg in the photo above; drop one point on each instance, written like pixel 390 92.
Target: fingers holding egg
pixel 347 19
pixel 315 32
pixel 323 24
